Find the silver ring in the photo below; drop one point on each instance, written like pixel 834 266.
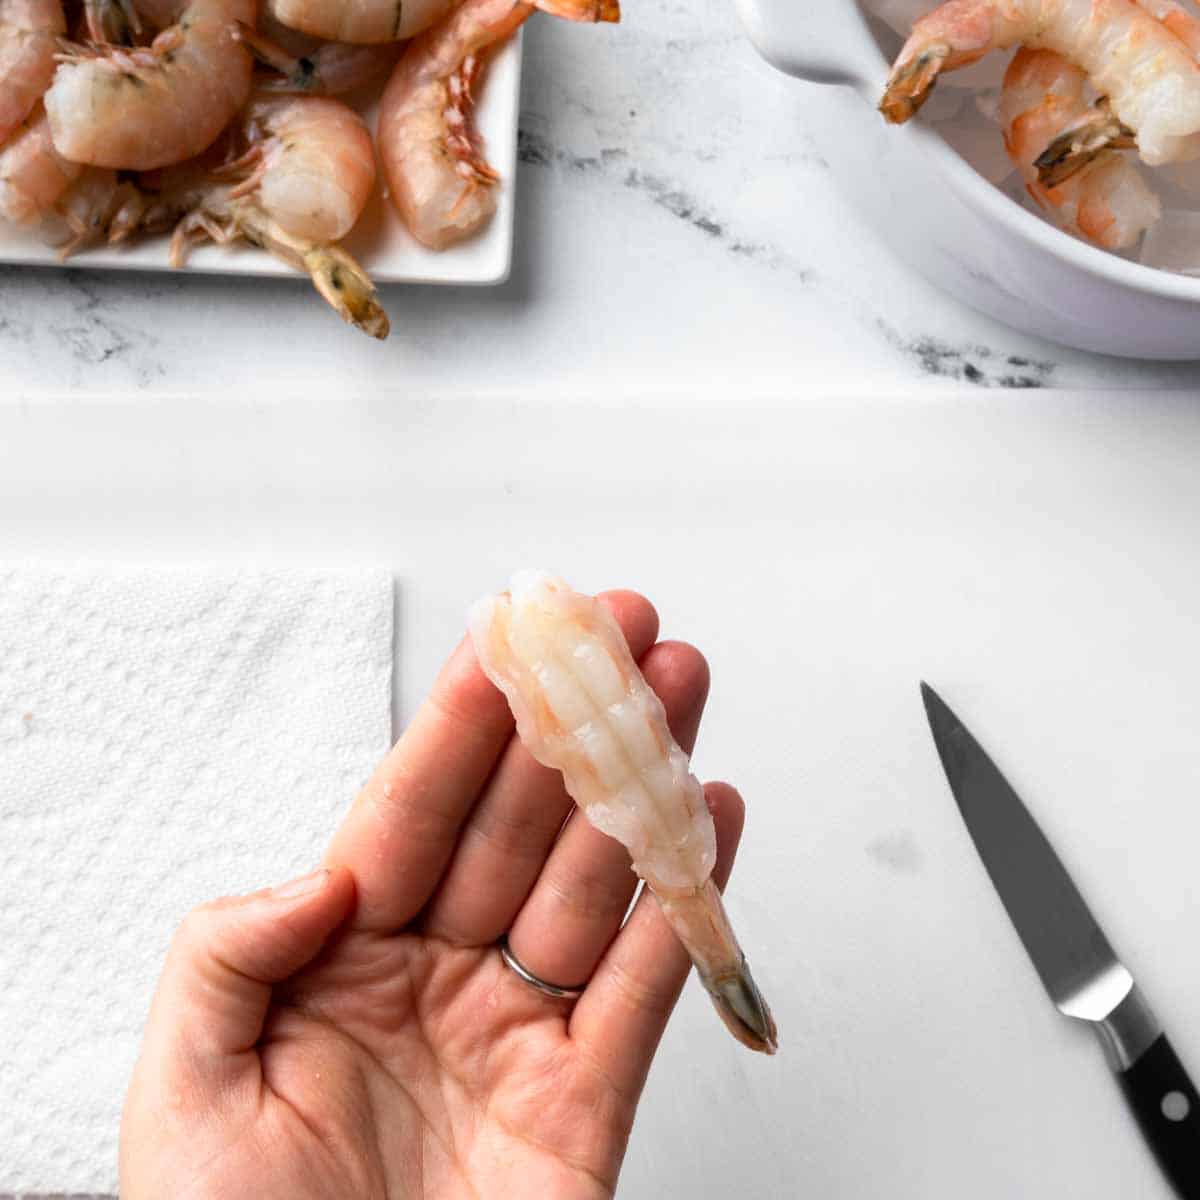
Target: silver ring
pixel 547 989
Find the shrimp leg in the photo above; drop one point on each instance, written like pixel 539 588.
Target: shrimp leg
pixel 583 708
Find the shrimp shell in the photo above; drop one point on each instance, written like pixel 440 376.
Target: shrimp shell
pixel 33 175
pixel 29 33
pixel 583 708
pixel 437 176
pixel 311 163
pixel 139 109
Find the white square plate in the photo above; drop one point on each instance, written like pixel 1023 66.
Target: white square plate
pixel 379 240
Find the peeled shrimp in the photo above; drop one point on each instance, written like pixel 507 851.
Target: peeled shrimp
pixel 33 175
pixel 362 22
pixel 29 33
pixel 1107 201
pixel 438 177
pixel 583 708
pixel 1149 78
pixel 153 106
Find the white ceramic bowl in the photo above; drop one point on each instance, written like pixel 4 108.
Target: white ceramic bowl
pixel 953 225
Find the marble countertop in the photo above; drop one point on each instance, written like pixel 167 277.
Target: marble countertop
pixel 678 231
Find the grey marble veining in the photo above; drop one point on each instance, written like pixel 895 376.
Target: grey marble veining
pixel 679 229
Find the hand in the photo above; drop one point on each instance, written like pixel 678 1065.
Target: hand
pixel 356 1034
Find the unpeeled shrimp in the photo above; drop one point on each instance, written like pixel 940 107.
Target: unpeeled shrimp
pixel 362 22
pixel 439 180
pixel 33 175
pixel 583 708
pixel 310 162
pixel 29 33
pixel 1150 79
pixel 297 189
pixel 150 107
pixel 1107 201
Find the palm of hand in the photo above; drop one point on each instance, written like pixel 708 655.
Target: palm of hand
pixel 403 1066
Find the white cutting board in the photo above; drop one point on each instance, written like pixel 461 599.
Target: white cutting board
pixel 1036 557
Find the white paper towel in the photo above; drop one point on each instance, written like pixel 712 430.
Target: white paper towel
pixel 166 736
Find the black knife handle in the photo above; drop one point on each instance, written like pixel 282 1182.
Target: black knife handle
pixel 1168 1110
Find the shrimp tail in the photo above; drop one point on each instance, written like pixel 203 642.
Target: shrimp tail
pixel 699 921
pixel 338 278
pixel 344 286
pixel 1081 143
pixel 912 83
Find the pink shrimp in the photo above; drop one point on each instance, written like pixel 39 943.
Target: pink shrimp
pixel 310 163
pixel 1106 201
pixel 439 180
pixel 143 108
pixel 298 187
pixel 33 175
pixel 1149 78
pixel 29 33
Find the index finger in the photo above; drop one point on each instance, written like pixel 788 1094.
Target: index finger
pixel 399 834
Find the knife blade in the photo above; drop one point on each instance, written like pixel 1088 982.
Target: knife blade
pixel 1070 952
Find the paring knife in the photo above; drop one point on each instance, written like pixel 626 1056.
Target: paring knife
pixel 1077 965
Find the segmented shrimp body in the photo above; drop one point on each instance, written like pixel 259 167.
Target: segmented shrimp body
pixel 1106 201
pixel 363 22
pixel 583 708
pixel 310 163
pixel 438 178
pixel 1149 77
pixel 1178 19
pixel 150 107
pixel 29 33
pixel 33 175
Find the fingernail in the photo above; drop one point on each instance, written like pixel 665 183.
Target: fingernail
pixel 303 886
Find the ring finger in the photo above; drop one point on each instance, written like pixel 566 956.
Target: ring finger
pixel 583 892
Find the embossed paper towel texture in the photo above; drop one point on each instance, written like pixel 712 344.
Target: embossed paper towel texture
pixel 165 737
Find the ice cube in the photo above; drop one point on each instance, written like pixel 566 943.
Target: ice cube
pixel 944 104
pixel 979 141
pixel 1173 244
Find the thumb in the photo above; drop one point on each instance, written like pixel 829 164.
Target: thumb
pixel 215 988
